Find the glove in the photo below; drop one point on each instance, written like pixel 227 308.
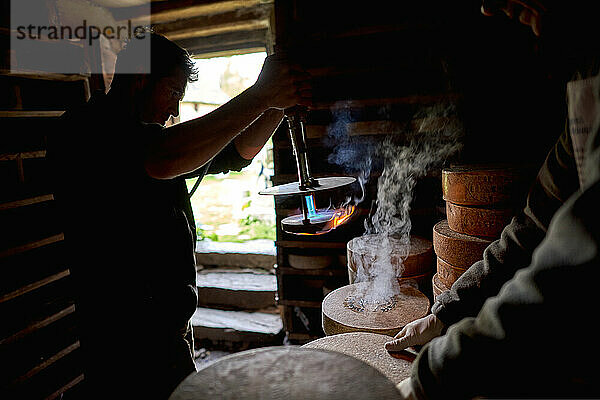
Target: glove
pixel 419 332
pixel 406 390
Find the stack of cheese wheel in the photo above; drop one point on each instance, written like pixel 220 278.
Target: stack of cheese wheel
pixel 480 202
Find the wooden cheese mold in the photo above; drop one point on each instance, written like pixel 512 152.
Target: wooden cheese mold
pixel 413 262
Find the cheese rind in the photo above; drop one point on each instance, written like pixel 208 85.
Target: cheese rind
pixel 473 185
pixel 456 248
pixel 477 221
pixel 369 348
pixel 447 273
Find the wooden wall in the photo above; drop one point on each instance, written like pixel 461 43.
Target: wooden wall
pixel 39 347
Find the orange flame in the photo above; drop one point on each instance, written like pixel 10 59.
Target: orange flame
pixel 340 217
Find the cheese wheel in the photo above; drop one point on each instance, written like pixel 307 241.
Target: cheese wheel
pixel 480 185
pixel 413 261
pixel 477 221
pixel 457 248
pixel 286 373
pixel 369 348
pixel 344 310
pixel 447 273
pixel 438 287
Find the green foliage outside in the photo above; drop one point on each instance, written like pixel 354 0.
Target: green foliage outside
pixel 251 228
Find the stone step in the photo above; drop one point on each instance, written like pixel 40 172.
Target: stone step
pixel 252 254
pixel 239 328
pixel 236 288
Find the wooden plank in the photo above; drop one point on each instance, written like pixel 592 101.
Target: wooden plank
pixel 47 362
pixel 32 245
pixel 30 113
pixel 71 384
pixel 33 286
pixel 23 155
pixel 227 289
pixel 42 75
pixel 26 202
pixel 38 325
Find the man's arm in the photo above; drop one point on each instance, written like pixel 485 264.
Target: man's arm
pixel 536 338
pixel 253 138
pixel 188 146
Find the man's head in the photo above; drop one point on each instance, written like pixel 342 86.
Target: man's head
pixel 155 95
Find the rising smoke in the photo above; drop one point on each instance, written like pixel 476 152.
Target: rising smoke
pixel 430 138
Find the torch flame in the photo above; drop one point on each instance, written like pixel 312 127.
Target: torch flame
pixel 340 216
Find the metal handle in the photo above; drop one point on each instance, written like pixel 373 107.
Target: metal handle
pixel 296 129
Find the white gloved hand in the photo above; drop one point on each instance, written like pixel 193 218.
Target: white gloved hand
pixel 406 389
pixel 419 332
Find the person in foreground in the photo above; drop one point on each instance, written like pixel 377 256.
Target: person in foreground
pixel 519 322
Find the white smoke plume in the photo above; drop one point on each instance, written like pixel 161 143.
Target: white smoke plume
pixel 430 138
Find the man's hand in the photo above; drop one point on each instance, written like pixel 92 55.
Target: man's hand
pixel 418 332
pixel 281 84
pixel 528 12
pixel 406 389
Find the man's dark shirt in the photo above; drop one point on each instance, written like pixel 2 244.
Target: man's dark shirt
pixel 130 238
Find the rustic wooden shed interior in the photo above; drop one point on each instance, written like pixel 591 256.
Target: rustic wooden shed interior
pixel 374 65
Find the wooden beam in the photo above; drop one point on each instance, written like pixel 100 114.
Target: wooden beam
pixel 239 40
pixel 218 29
pixel 246 19
pixel 181 9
